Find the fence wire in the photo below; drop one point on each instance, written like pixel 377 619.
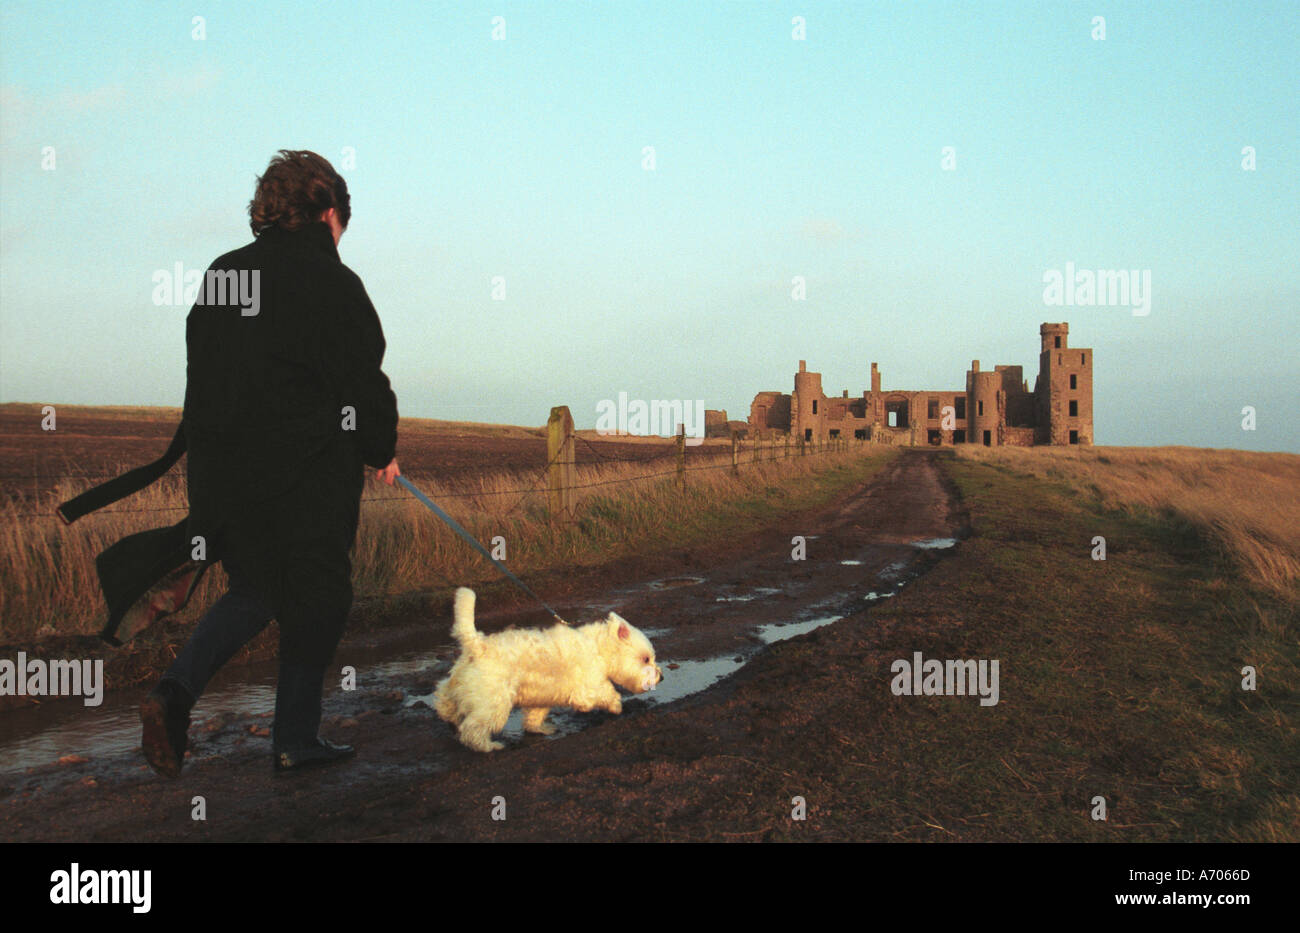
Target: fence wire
pixel 539 486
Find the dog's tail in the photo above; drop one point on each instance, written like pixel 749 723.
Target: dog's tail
pixel 462 626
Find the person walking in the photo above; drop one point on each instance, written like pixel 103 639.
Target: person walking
pixel 285 404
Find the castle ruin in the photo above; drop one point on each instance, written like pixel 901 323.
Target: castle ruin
pixel 995 409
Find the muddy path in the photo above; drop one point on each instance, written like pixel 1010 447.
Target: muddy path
pixel 718 618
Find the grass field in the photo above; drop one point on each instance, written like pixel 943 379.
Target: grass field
pixel 627 505
pixel 1247 504
pixel 1121 678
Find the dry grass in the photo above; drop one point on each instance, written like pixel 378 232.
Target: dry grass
pixel 1247 503
pixel 47 573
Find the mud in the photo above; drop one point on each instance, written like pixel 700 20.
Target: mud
pixel 724 622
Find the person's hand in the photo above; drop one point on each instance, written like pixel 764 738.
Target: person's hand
pixel 389 473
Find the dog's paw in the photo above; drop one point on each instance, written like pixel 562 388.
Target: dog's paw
pixel 615 707
pixel 544 729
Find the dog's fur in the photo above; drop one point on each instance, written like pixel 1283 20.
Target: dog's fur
pixel 538 669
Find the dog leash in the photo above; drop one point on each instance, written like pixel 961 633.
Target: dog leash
pixel 473 542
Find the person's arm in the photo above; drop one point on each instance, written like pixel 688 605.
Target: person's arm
pixel 353 350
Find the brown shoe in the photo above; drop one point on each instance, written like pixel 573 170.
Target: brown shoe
pixel 165 716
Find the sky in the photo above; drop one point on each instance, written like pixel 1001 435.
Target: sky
pixel 894 187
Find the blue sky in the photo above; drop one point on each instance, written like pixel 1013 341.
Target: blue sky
pixel 775 158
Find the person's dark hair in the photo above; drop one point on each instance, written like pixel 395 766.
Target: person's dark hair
pixel 296 187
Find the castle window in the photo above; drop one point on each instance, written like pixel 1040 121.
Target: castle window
pixel 1074 408
pixel 960 406
pixel 932 408
pixel 1083 359
pixel 814 406
pixel 1074 437
pixel 1058 343
pixel 980 413
pixel 1074 381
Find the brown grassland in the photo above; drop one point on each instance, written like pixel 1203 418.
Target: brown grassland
pixel 1247 503
pixel 626 502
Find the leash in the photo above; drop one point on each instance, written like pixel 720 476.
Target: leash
pixel 473 542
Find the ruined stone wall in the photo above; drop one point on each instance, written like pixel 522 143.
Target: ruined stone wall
pixel 770 411
pixel 1058 411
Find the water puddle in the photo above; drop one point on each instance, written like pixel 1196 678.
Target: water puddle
pixel 894 572
pixel 240 701
pixel 671 583
pixel 35 737
pixel 758 593
pixel 780 631
pixel 693 676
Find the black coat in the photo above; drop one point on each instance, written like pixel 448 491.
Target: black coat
pixel 282 409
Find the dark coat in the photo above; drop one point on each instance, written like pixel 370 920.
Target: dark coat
pixel 275 465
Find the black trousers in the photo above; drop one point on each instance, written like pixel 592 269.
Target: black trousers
pixel 287 560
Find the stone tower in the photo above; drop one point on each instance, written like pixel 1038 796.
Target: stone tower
pixel 806 403
pixel 1064 389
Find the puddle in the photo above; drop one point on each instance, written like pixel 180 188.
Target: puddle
pixel 893 571
pixel 780 631
pixel 692 677
pixel 674 582
pixel 34 737
pixel 935 544
pixel 565 722
pixel 749 597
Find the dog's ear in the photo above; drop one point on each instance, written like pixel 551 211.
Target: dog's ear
pixel 618 622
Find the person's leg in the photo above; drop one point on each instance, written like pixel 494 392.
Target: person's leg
pixel 225 628
pixel 317 600
pixel 233 621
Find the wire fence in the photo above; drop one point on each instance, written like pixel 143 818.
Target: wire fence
pixel 540 476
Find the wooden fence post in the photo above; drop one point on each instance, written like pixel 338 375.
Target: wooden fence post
pixel 560 459
pixel 681 458
pixel 735 453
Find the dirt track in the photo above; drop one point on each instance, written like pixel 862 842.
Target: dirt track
pixel 663 770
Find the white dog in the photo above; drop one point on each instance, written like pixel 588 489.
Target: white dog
pixel 537 669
